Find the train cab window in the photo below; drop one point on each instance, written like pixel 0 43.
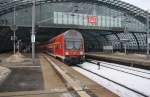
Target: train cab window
pixel 73 44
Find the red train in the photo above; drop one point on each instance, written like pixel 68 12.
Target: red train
pixel 68 46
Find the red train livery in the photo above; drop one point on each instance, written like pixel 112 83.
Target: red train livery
pixel 68 46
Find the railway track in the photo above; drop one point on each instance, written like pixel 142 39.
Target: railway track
pixel 71 82
pixel 82 89
pixel 115 82
pixel 60 80
pixel 140 93
pixel 124 67
pixel 97 62
pixel 122 85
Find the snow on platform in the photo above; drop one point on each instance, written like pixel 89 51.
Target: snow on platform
pixel 4 73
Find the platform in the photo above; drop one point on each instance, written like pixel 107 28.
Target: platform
pixel 41 80
pixel 135 60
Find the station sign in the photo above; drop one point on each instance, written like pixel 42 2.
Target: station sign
pixel 92 19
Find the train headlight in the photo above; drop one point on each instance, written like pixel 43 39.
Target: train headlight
pixel 67 53
pixel 81 53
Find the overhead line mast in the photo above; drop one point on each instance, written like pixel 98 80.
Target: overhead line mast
pixel 33 32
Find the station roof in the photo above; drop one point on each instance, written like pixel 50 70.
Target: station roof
pixel 7 5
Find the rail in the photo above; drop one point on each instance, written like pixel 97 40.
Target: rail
pixel 119 70
pixel 74 85
pixel 138 92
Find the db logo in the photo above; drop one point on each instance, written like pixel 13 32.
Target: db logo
pixel 92 19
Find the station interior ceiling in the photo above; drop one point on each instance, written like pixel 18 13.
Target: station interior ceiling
pixel 95 37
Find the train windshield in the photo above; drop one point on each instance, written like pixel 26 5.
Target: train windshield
pixel 73 44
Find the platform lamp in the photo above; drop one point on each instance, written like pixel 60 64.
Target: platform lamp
pixel 125 41
pixel 148 35
pixel 14 28
pixel 18 45
pixel 33 31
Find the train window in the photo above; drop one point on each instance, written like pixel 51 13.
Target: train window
pixel 73 44
pixel 55 46
pixel 61 45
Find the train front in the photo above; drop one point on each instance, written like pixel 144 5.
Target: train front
pixel 74 47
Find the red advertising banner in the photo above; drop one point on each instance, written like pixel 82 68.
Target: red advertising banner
pixel 92 19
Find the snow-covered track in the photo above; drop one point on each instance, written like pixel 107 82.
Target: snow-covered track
pixel 120 66
pixel 124 69
pixel 120 70
pixel 122 85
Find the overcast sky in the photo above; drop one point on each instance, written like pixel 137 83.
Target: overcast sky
pixel 144 4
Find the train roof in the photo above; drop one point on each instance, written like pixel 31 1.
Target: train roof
pixel 70 34
pixel 73 34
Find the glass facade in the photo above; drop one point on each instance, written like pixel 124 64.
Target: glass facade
pixel 62 13
pixel 82 19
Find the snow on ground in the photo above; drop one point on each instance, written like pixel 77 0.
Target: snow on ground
pixel 137 83
pixel 137 71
